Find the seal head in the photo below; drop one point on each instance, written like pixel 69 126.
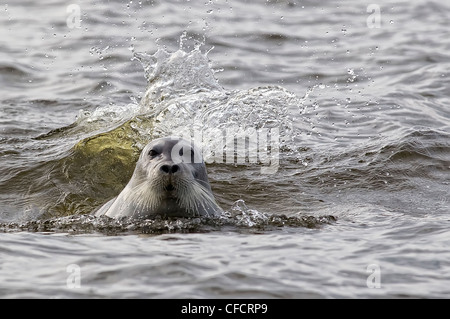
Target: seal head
pixel 170 180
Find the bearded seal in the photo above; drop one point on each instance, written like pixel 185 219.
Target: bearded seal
pixel 169 180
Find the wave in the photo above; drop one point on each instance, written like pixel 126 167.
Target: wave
pixel 239 219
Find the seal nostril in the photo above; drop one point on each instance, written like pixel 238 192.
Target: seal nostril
pixel 175 168
pixel 170 168
pixel 165 168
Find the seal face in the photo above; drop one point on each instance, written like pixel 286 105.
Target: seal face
pixel 169 180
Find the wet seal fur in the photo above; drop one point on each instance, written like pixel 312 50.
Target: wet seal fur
pixel 169 180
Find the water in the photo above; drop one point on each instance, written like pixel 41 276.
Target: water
pixel 357 208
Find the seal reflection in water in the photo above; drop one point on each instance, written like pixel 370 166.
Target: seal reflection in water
pixel 169 180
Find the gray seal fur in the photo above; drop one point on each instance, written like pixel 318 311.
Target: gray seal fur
pixel 170 180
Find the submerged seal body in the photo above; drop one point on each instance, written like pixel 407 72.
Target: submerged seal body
pixel 169 180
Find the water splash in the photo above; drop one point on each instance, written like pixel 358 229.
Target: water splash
pixel 175 74
pixel 239 219
pixel 185 99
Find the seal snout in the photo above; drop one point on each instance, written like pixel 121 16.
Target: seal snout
pixel 169 168
pixel 169 172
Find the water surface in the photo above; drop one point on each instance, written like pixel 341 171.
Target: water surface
pixel 358 207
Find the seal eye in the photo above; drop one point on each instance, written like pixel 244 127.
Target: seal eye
pixel 152 153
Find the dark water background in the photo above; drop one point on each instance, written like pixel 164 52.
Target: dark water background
pixel 359 207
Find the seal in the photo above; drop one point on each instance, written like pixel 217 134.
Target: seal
pixel 170 180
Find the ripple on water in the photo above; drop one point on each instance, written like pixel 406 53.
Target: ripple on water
pixel 240 219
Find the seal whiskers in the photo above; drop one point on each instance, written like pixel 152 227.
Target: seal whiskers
pixel 193 195
pixel 142 199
